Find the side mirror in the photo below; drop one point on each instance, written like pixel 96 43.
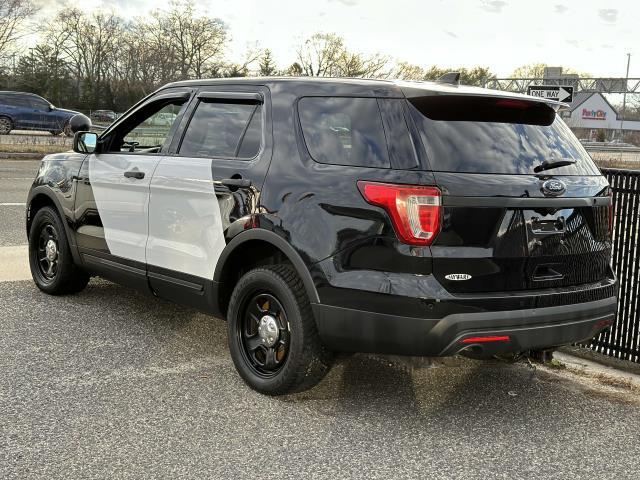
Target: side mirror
pixel 85 142
pixel 80 123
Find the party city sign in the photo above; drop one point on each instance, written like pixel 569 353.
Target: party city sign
pixel 588 114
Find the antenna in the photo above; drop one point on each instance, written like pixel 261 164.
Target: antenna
pixel 452 78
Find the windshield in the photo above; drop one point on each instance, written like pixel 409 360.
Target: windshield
pixel 487 135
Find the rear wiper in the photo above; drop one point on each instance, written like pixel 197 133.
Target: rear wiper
pixel 546 165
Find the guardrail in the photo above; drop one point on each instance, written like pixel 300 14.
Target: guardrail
pixel 610 148
pixel 623 339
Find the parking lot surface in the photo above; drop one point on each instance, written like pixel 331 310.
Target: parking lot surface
pixel 110 383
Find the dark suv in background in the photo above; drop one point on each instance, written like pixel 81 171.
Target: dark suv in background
pixel 328 215
pixel 28 111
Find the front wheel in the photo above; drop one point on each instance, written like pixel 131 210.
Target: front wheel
pixel 52 266
pixel 273 338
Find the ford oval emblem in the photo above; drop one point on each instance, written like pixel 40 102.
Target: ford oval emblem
pixel 458 276
pixel 553 187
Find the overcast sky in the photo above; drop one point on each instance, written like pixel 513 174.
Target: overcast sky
pixel 587 35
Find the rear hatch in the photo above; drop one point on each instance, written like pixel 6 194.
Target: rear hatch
pixel 523 205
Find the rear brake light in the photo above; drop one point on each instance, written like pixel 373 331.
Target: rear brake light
pixel 414 210
pixel 514 103
pixel 487 339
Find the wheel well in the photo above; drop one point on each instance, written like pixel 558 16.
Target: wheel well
pixel 251 254
pixel 8 117
pixel 39 201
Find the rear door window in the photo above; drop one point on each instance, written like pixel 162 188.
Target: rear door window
pixel 496 135
pixel 224 129
pixel 344 131
pixel 16 101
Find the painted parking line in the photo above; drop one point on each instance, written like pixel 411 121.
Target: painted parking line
pixel 13 204
pixel 14 263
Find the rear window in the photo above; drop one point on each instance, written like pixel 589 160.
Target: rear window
pixel 344 131
pixel 493 135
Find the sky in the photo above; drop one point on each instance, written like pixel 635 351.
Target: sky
pixel 586 35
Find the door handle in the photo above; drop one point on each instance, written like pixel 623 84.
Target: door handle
pixel 134 174
pixel 235 182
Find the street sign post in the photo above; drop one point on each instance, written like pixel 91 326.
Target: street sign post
pixel 551 92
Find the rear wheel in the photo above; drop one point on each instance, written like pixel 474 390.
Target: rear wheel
pixel 52 266
pixel 67 129
pixel 6 125
pixel 273 337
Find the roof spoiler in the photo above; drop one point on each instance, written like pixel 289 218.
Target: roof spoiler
pixel 451 78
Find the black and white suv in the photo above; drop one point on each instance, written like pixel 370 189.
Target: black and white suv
pixel 332 215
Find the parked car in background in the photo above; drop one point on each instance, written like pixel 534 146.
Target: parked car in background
pixel 163 119
pixel 28 111
pixel 104 116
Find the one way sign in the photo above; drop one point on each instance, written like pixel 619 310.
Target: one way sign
pixel 551 92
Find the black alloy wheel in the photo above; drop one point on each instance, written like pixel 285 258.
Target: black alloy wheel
pixel 264 334
pixel 50 259
pixel 48 252
pixel 273 337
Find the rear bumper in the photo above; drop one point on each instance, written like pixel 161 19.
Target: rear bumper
pixel 348 329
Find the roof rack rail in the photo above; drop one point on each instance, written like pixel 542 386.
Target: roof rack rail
pixel 452 78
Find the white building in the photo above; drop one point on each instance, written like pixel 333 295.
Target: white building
pixel 590 112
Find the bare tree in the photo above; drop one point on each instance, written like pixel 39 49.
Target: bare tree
pixel 325 55
pixel 195 41
pixel 320 55
pixel 13 15
pixel 476 76
pixel 89 45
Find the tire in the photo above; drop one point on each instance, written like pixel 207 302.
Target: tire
pixel 67 129
pixel 52 269
pixel 6 125
pixel 298 360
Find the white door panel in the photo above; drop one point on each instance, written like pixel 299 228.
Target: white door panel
pixel 185 227
pixel 122 202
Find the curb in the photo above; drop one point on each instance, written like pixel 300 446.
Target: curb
pixel 600 358
pixel 22 156
pixel 603 374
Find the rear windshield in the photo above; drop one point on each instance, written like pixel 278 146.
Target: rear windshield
pixel 493 135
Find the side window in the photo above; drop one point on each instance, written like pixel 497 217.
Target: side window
pixel 154 129
pixel 17 101
pixel 223 129
pixel 344 131
pixel 38 104
pixel 147 130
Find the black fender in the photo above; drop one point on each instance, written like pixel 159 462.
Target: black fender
pixel 278 242
pixel 51 195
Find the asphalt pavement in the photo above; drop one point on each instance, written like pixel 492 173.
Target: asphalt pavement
pixel 16 176
pixel 111 383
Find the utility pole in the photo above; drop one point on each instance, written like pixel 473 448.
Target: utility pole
pixel 624 98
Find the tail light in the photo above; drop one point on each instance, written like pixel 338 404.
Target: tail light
pixel 414 210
